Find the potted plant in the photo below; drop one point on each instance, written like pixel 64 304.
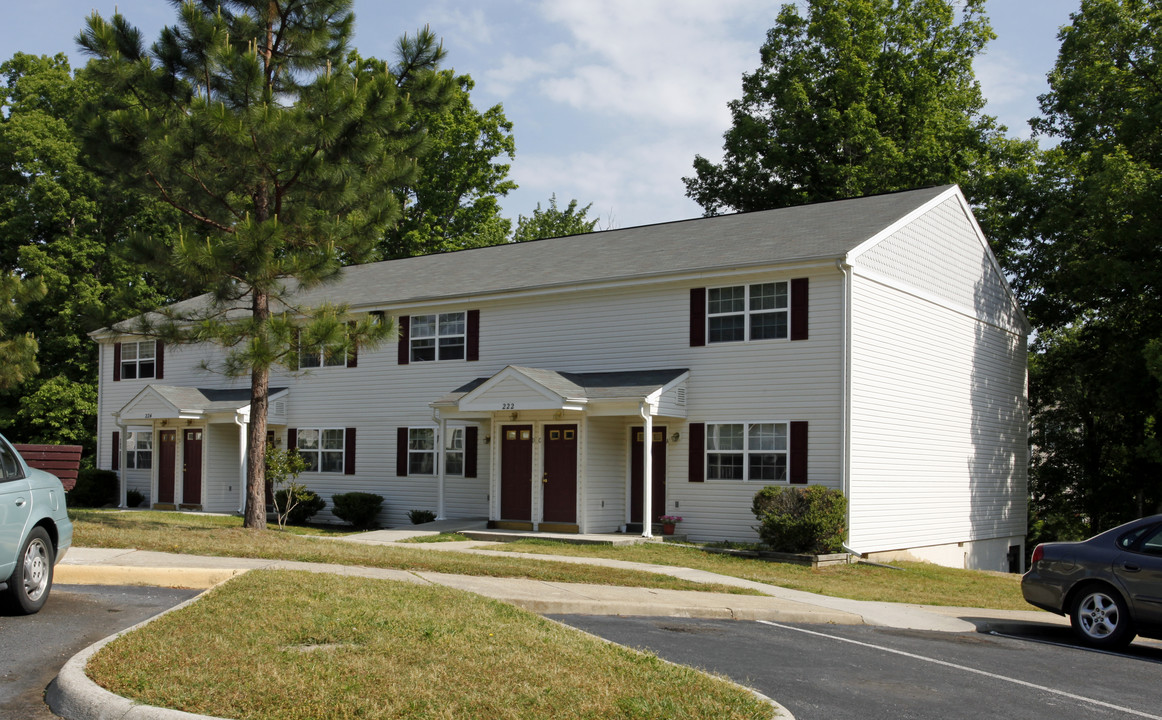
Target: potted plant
pixel 669 522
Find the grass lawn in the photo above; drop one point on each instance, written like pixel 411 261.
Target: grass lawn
pixel 273 645
pixel 922 583
pixel 224 536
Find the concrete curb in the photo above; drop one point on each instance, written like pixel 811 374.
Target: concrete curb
pixel 73 696
pixel 194 578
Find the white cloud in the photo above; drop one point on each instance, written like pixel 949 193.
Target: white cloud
pixel 1011 91
pixel 672 63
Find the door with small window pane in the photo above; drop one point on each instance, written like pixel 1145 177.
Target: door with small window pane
pixel 559 481
pixel 192 468
pixel 166 458
pixel 637 473
pixel 516 472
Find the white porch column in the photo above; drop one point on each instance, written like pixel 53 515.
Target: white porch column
pixel 243 442
pixel 647 471
pixel 443 456
pixel 122 502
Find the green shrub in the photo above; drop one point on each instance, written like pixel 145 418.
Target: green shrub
pixel 308 503
pixel 94 488
pixel 419 517
pixel 358 508
pixel 801 520
pixel 133 498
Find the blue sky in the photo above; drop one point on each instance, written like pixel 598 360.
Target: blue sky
pixel 610 99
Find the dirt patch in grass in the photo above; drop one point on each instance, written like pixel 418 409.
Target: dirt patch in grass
pixel 920 583
pixel 272 645
pixel 224 536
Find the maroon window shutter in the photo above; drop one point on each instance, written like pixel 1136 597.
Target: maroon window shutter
pixel 401 452
pixel 349 452
pixel 471 434
pixel 472 352
pixel 353 353
pixel 798 448
pixel 116 364
pixel 116 450
pixel 799 312
pixel 292 440
pixel 697 317
pixel 697 470
pixel 405 346
pixel 159 361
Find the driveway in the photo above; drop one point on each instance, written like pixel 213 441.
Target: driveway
pixel 76 616
pixel 831 672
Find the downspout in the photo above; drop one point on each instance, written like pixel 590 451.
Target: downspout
pixel 442 458
pixel 243 436
pixel 647 469
pixel 845 396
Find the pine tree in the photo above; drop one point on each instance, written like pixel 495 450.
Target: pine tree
pixel 280 147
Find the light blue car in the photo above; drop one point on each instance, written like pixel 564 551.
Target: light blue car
pixel 35 531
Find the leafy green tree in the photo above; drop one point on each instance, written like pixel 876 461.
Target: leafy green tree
pixel 63 225
pixel 281 149
pixel 19 351
pixel 859 97
pixel 1097 260
pixel 554 222
pixel 453 202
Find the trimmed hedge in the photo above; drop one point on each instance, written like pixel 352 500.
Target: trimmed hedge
pixel 419 517
pixel 809 520
pixel 95 488
pixel 358 508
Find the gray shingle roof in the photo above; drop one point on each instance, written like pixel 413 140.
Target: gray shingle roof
pixel 820 231
pixel 207 400
pixel 593 386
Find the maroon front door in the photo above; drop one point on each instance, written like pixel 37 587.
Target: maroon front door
pixel 166 454
pixel 192 468
pixel 637 472
pixel 560 479
pixel 516 473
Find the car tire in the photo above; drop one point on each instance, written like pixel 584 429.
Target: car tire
pixel 1101 618
pixel 31 581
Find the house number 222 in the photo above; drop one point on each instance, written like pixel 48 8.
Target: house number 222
pixel 508 406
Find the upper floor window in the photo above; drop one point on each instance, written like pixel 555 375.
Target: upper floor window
pixel 138 359
pixel 748 312
pixel 326 356
pixel 139 449
pixel 746 451
pixel 438 337
pixel 322 448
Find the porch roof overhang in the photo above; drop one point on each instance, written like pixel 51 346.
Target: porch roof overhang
pixel 518 388
pixel 171 402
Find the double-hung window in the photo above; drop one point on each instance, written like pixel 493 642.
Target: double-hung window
pixel 454 452
pixel 421 451
pixel 139 449
pixel 746 451
pixel 748 312
pixel 322 448
pixel 440 336
pixel 138 359
pixel 326 356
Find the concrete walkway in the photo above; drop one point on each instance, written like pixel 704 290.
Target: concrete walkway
pixel 73 695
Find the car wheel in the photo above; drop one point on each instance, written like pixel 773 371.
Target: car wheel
pixel 1101 618
pixel 32 579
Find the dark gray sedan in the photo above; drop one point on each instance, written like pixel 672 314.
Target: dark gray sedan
pixel 1110 586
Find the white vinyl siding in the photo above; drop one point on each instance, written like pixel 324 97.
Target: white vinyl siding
pixel 938 427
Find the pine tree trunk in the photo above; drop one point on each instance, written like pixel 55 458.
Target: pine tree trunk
pixel 256 452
